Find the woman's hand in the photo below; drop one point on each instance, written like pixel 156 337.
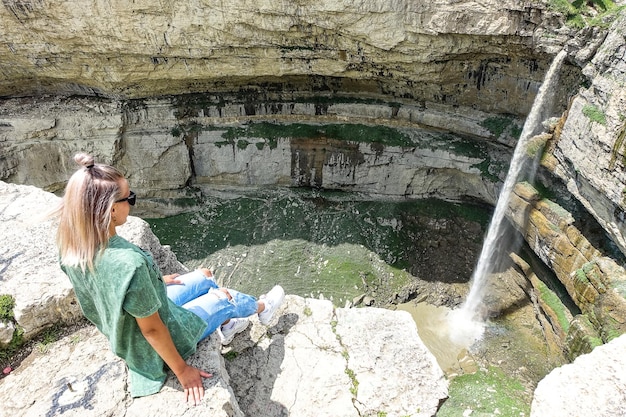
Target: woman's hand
pixel 157 334
pixel 191 380
pixel 171 279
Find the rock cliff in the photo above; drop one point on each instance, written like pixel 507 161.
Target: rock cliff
pixel 435 51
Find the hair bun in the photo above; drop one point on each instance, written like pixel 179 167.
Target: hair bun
pixel 84 159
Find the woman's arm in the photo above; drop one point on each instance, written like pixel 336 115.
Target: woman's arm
pixel 157 334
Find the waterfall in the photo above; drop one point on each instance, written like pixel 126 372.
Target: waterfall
pixel 469 316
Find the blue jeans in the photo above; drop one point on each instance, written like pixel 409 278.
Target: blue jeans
pixel 200 295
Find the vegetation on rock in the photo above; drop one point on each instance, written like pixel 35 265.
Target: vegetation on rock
pixel 582 13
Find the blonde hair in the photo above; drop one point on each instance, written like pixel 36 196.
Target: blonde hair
pixel 85 212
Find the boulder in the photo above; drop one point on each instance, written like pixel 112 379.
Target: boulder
pixel 29 267
pixel 593 385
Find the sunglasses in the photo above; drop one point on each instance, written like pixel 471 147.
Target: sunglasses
pixel 132 199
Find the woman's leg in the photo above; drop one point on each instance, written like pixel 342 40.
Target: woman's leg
pixel 218 306
pixel 194 284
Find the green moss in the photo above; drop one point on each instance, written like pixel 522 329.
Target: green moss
pixel 484 170
pixel 242 144
pixel 516 131
pixel 348 132
pixel 231 355
pixel 581 276
pixel 551 299
pixel 535 146
pixel 176 131
pixel 610 329
pixel 16 343
pixel 185 129
pixel 496 125
pixel 7 303
pixel 557 209
pixel 325 236
pixel 588 267
pixel 588 274
pixel 605 19
pixel 486 393
pixel 223 143
pixel 582 13
pixel 354 389
pixel 594 114
pixel 469 148
pixel 588 338
pixel 48 337
pixel 545 193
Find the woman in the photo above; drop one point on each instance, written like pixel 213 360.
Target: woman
pixel 121 290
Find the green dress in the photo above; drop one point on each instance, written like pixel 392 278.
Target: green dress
pixel 126 284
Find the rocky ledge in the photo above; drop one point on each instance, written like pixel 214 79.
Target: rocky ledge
pixel 314 360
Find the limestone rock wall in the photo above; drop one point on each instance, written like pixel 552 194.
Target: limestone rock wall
pixel 595 282
pixel 591 148
pixel 486 54
pixel 166 145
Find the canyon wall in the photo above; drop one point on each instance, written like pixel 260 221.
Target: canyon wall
pixel 396 99
pixel 486 55
pixel 399 100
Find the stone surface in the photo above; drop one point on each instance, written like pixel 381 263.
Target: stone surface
pixel 436 50
pixel 592 280
pixel 29 269
pixel 593 385
pixel 334 357
pixel 314 361
pixel 79 376
pixel 161 160
pixel 590 149
pixel 6 333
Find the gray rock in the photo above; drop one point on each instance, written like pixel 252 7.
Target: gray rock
pixel 6 333
pixel 29 269
pixel 79 376
pixel 315 361
pixel 593 385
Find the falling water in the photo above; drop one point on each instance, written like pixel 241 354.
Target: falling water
pixel 469 315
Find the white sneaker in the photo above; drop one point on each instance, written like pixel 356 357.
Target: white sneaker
pixel 272 301
pixel 232 328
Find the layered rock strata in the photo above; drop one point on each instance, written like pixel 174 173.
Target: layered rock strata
pixel 595 282
pixel 486 55
pixel 406 153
